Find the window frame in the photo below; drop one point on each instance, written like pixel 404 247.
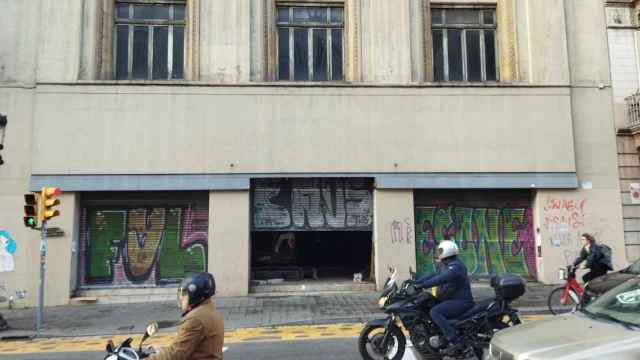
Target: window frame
pixel 151 25
pixel 481 27
pixel 310 27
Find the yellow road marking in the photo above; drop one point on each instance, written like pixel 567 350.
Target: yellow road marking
pixel 281 333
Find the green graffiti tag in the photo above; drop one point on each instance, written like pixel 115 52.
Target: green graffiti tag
pixel 491 240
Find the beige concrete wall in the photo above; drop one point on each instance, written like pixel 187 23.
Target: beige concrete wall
pixel 386 41
pixel 542 41
pixel 587 42
pixel 59 42
pixel 19 41
pixel 229 241
pixel 562 216
pixel 121 130
pixel 225 47
pixel 393 212
pixel 60 270
pixel 17 104
pixel 596 208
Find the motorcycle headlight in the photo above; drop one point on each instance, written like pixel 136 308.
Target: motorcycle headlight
pixel 382 301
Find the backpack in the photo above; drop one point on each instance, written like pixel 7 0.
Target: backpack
pixel 605 250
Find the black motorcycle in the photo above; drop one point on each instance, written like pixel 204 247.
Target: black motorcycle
pixel 408 312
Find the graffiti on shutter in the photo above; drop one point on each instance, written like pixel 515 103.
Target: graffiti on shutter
pixel 145 246
pixel 317 204
pixel 493 236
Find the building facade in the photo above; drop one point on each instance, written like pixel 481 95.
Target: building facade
pixel 304 140
pixel 622 29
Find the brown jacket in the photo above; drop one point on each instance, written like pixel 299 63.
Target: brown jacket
pixel 200 336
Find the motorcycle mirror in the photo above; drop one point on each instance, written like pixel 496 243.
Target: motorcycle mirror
pixel 110 346
pixel 152 328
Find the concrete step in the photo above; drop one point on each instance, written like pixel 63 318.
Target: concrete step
pixel 311 287
pixel 123 296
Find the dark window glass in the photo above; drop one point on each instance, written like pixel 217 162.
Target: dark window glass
pixel 336 54
pixel 490 49
pixel 122 51
pixel 151 12
pixel 337 15
pixel 320 67
pixel 488 17
pixel 122 11
pixel 160 58
pixel 283 54
pixel 436 16
pixel 283 14
pixel 462 17
pixel 178 52
pixel 178 12
pixel 310 14
pixel 454 47
pixel 438 56
pixel 140 52
pixel 301 54
pixel 474 62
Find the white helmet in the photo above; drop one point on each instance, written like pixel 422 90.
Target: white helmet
pixel 447 249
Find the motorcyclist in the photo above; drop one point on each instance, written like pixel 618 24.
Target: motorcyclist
pixel 453 295
pixel 201 332
pixel 596 260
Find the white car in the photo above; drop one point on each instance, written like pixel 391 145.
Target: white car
pixel 608 328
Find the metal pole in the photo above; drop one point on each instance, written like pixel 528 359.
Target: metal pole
pixel 43 253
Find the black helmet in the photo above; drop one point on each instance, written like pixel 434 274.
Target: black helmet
pixel 199 287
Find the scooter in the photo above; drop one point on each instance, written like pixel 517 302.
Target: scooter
pixel 126 351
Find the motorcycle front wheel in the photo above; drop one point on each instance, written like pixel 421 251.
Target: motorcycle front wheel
pixel 370 343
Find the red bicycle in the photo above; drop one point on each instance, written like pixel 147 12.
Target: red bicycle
pixel 568 297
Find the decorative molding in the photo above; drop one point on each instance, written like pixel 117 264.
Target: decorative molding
pixel 428 49
pixel 507 46
pixel 192 48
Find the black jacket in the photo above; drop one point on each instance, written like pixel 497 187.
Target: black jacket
pixel 452 280
pixel 593 256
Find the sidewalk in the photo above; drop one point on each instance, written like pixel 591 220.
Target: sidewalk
pixel 243 312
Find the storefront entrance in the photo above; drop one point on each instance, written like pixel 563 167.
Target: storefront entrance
pixel 311 230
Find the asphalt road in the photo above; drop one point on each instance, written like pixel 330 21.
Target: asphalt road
pixel 340 349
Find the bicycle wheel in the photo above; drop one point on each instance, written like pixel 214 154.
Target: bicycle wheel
pixel 555 305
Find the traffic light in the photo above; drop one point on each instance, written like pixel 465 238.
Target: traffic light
pixel 31 210
pixel 48 201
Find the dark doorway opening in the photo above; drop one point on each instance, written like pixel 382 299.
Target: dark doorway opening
pixel 311 255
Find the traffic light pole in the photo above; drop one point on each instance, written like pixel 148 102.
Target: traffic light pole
pixel 43 253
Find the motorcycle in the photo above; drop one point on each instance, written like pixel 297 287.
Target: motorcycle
pixel 126 351
pixel 408 312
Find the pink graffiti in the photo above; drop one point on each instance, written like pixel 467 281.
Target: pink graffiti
pixel 192 232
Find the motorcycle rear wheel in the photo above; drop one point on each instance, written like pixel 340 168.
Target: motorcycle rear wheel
pixel 370 337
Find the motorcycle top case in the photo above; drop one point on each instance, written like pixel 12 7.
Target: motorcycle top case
pixel 508 286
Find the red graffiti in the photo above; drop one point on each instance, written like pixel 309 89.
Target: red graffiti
pixel 565 211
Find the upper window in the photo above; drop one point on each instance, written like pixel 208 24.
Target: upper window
pixel 464 44
pixel 149 40
pixel 310 43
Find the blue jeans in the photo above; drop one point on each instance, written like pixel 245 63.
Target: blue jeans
pixel 451 309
